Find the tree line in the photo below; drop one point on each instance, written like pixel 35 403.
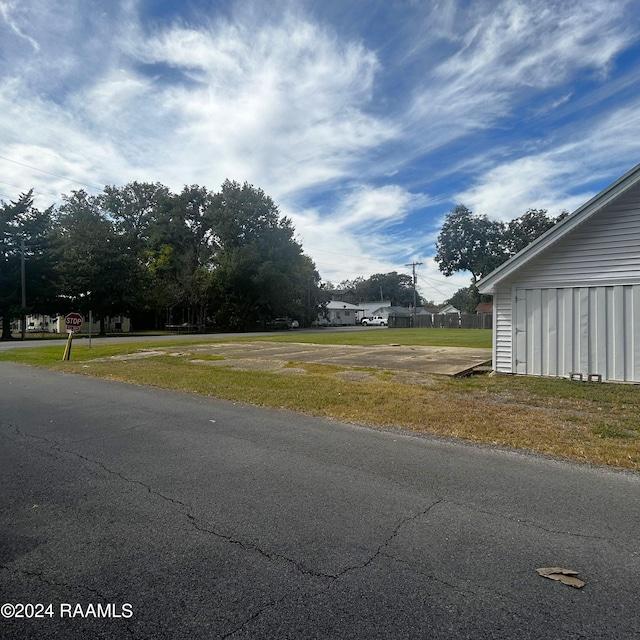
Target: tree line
pixel 227 259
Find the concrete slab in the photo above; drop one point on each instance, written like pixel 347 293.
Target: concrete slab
pixel 451 361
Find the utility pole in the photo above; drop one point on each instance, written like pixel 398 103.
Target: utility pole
pixel 413 266
pixel 23 282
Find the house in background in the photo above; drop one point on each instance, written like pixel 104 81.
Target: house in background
pixel 370 308
pixel 568 304
pixel 55 324
pixel 38 323
pixel 339 313
pixel 485 307
pixel 428 310
pixel 449 308
pixel 383 310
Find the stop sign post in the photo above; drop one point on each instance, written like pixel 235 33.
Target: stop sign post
pixel 73 321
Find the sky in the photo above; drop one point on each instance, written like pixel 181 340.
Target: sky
pixel 366 121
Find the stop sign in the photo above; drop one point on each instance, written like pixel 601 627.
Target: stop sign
pixel 73 321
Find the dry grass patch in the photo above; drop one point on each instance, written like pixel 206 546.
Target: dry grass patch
pixel 590 423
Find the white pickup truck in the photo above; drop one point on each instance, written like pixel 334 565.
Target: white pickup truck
pixel 375 321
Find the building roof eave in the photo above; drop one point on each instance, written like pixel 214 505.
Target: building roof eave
pixel 487 284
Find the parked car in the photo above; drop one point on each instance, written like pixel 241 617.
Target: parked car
pixel 280 323
pixel 375 321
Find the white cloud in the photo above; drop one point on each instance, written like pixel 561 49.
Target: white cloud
pixel 282 105
pixel 562 177
pixel 506 51
pixel 7 10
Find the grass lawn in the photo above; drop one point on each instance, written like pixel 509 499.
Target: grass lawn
pixel 594 423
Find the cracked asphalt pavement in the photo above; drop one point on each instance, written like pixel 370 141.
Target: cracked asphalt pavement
pixel 216 520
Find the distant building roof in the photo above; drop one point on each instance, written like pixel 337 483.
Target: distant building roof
pixel 400 311
pixel 485 307
pixel 449 308
pixel 339 304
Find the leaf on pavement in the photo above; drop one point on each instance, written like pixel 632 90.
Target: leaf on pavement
pixel 566 576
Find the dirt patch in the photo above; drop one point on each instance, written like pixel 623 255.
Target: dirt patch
pixel 424 360
pixel 246 364
pixel 356 376
pixel 273 356
pixel 138 355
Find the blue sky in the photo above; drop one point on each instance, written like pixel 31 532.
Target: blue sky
pixel 365 120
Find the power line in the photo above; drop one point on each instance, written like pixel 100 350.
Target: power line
pixel 25 190
pixel 55 175
pixel 442 293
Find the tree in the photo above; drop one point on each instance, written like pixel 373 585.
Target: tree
pixel 393 286
pixel 467 299
pixel 259 268
pixel 133 209
pixel 98 269
pixel 25 234
pixel 179 256
pixel 468 242
pixel 523 230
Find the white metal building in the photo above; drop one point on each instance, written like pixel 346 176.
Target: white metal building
pixel 568 305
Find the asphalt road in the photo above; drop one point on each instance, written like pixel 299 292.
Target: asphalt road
pixel 170 337
pixel 140 513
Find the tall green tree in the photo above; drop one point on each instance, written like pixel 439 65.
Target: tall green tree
pixel 394 286
pixel 133 209
pixel 97 267
pixel 179 256
pixel 469 242
pixel 25 236
pixel 260 269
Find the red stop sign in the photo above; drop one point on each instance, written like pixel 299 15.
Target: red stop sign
pixel 73 321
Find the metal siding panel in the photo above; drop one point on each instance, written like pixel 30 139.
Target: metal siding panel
pixel 634 339
pixel 597 310
pixel 544 330
pixel 575 334
pixel 618 335
pixel 609 312
pixel 534 331
pixel 583 319
pixel 566 331
pixel 520 354
pixel 551 368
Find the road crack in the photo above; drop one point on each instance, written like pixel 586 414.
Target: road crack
pixel 39 575
pixel 541 527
